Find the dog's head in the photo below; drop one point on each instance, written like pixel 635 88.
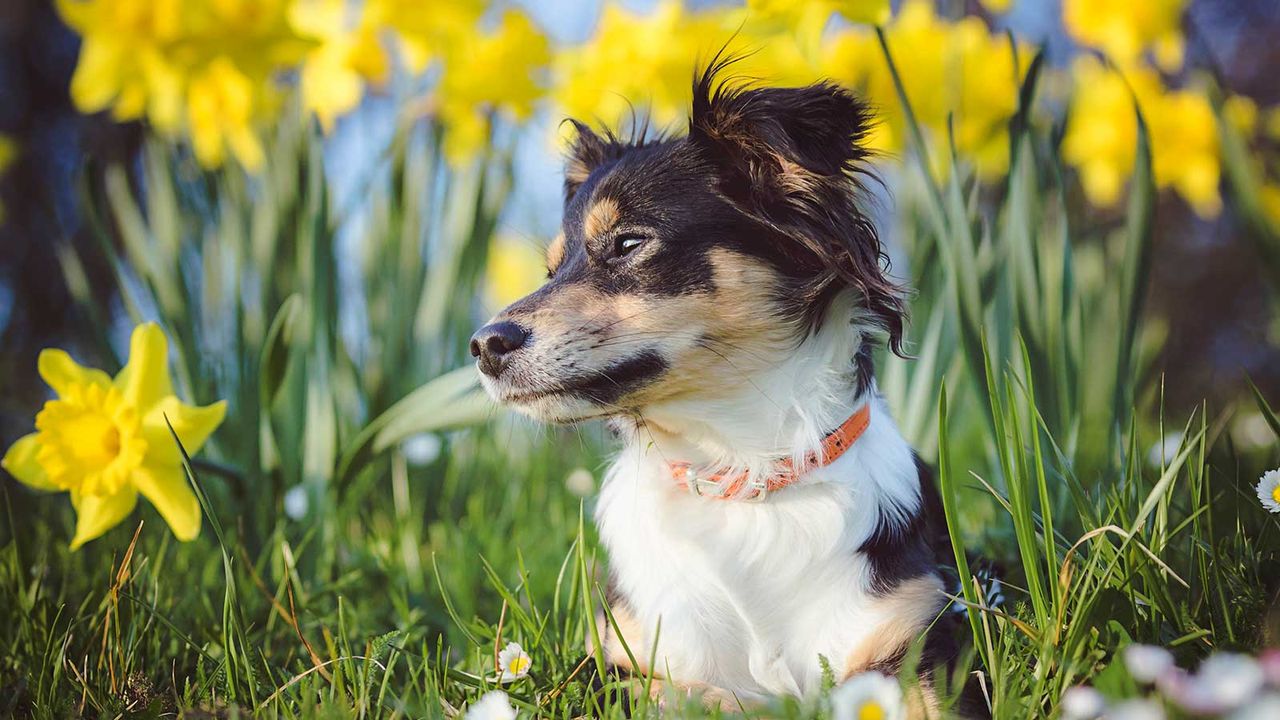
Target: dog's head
pixel 686 264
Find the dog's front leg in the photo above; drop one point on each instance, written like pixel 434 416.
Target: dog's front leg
pixel 628 635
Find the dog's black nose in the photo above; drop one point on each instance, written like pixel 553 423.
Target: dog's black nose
pixel 494 342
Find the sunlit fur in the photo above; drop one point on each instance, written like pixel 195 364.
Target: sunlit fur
pixel 715 298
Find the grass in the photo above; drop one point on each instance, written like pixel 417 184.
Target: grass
pixel 388 593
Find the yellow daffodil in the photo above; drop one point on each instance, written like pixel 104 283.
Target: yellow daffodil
pixel 874 12
pixel 950 70
pixel 807 21
pixel 500 71
pixel 106 440
pixel 642 60
pixel 1242 112
pixel 1271 122
pixel 1102 134
pixel 426 29
pixel 220 106
pixel 8 152
pixel 987 77
pixel 1101 130
pixel 347 55
pixel 199 68
pixel 1126 30
pixel 121 65
pixel 1185 151
pixel 209 71
pixel 997 6
pixel 1269 194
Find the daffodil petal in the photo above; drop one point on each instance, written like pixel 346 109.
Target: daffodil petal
pixel 168 490
pixel 62 373
pixel 144 381
pixel 192 423
pixel 97 77
pixel 96 514
pixel 77 14
pixel 20 461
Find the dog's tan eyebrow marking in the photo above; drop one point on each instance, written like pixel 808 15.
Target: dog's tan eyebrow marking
pixel 602 216
pixel 555 252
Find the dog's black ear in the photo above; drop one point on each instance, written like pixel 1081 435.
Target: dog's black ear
pixel 793 158
pixel 588 152
pixel 770 139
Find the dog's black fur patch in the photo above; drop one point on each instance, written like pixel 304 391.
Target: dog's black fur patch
pixel 621 377
pixel 898 552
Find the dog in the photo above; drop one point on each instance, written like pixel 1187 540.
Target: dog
pixel 716 297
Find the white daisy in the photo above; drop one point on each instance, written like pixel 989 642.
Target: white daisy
pixel 1236 678
pixel 1266 707
pixel 868 696
pixel 1269 490
pixel 580 482
pixel 493 705
pixel 421 449
pixel 1252 431
pixel 1146 662
pixel 296 502
pixel 1224 681
pixel 1082 703
pixel 513 663
pixel 1163 452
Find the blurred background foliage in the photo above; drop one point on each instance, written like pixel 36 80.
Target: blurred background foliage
pixel 212 80
pixel 319 200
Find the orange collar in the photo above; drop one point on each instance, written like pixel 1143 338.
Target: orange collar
pixel 833 446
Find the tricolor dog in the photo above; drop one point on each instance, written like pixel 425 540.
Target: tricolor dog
pixel 716 298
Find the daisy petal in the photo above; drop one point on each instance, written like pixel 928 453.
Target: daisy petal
pixel 192 423
pixel 96 514
pixel 169 492
pixel 1269 490
pixel 62 373
pixel 1146 663
pixel 145 379
pixel 493 705
pixel 20 461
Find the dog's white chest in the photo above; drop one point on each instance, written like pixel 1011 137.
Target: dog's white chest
pixel 744 596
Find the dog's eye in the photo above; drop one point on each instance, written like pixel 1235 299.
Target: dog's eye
pixel 624 244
